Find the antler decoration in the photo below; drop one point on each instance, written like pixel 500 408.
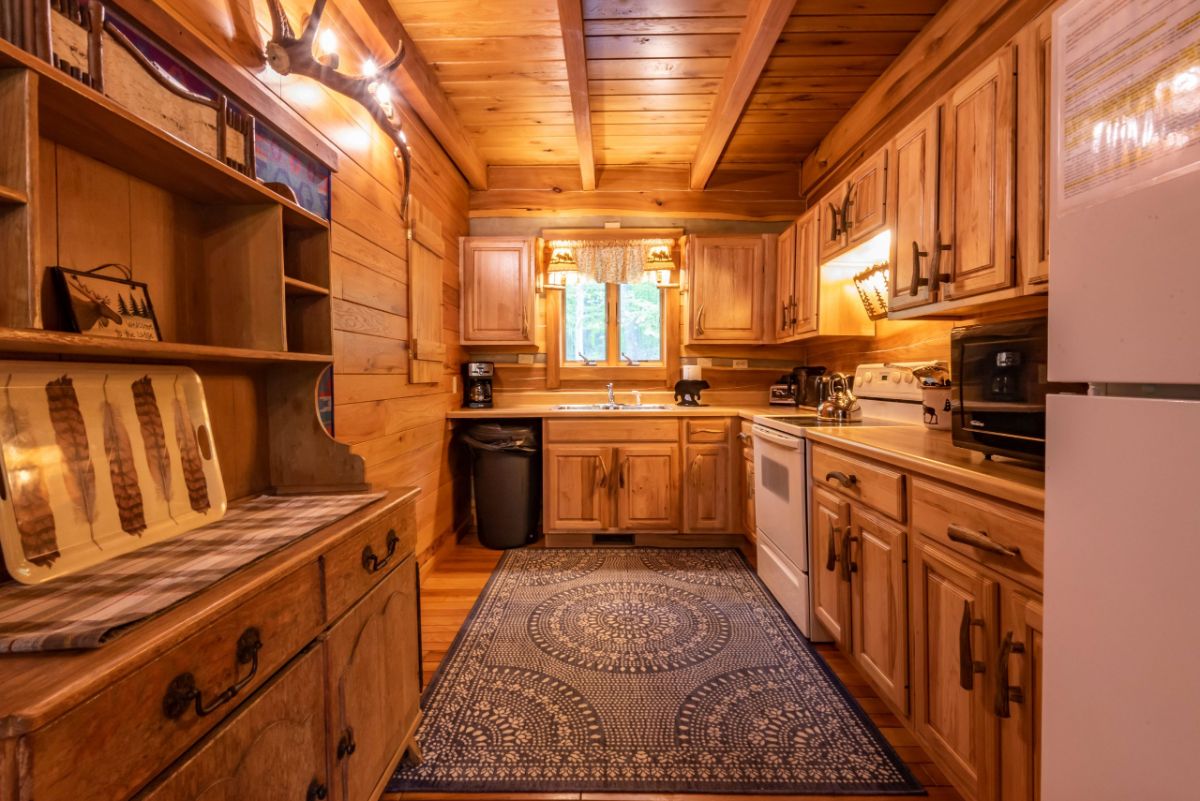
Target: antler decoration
pixel 290 54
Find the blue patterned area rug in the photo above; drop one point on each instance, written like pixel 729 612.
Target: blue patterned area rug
pixel 641 670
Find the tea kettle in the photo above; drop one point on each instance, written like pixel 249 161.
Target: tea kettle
pixel 841 405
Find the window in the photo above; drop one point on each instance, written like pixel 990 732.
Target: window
pixel 613 324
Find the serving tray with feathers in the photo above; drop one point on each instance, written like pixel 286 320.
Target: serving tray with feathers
pixel 99 460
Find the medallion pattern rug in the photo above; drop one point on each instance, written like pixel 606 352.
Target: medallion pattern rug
pixel 641 670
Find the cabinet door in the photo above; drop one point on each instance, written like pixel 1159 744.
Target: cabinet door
pixel 977 192
pixel 880 603
pixel 272 748
pixel 1033 153
pixel 829 575
pixel 785 284
pixel 577 487
pixel 1020 657
pixel 867 212
pixel 708 504
pixel 831 226
pixel 647 487
pixel 497 290
pixel 725 289
pixel 954 619
pixel 913 190
pixel 373 658
pixel 805 310
pixel 749 522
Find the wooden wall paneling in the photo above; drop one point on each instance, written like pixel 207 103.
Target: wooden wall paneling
pixel 427 353
pixel 237 408
pixel 239 286
pixel 19 199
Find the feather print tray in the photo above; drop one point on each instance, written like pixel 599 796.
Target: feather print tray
pixel 100 460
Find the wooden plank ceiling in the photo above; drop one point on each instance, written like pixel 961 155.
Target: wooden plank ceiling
pixel 654 68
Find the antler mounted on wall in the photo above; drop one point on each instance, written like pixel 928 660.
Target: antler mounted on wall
pixel 290 54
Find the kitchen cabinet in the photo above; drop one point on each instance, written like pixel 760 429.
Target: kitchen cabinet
pixel 879 601
pixel 866 214
pixel 726 289
pixel 831 230
pixel 749 522
pixel 814 306
pixel 785 283
pixel 1033 154
pixel 707 496
pixel 913 190
pixel 829 574
pixel 1018 695
pixel 647 487
pixel 577 493
pixel 497 280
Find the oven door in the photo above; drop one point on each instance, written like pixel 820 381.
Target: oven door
pixel 780 502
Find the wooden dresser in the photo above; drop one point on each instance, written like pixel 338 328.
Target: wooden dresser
pixel 308 667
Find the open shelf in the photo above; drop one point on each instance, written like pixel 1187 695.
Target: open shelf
pixel 61 343
pixel 13 196
pixel 294 286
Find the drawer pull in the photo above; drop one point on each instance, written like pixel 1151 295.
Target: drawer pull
pixel 182 691
pixel 316 791
pixel 743 436
pixel 847 481
pixel 709 431
pixel 980 540
pixel 372 563
pixel 1004 691
pixel 831 557
pixel 346 746
pixel 967 666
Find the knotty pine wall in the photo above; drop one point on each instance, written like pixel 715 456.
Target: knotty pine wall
pixel 398 428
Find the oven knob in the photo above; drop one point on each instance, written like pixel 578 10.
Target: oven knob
pixel 908 378
pixel 868 377
pixel 895 378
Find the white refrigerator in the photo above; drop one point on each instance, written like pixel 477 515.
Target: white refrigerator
pixel 1121 707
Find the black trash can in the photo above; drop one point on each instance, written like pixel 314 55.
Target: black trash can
pixel 506 472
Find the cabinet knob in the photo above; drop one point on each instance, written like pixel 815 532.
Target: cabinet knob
pixel 316 791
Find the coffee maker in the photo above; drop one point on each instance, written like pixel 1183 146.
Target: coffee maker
pixel 477 384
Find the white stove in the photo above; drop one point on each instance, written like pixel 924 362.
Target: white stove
pixel 888 395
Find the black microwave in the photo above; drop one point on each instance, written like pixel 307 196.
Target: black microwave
pixel 1000 390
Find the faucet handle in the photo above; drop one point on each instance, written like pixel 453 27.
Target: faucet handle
pixel 637 398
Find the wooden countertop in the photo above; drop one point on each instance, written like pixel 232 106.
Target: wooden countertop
pixel 39 687
pixel 546 410
pixel 932 453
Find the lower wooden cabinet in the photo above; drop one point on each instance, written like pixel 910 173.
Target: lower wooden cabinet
pixel 1018 696
pixel 706 493
pixel 879 593
pixel 577 494
pixel 749 521
pixel 828 572
pixel 647 487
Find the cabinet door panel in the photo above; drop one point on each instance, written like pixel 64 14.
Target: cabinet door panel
pixel 1021 730
pixel 831 234
pixel 577 490
pixel 867 212
pixel 913 187
pixel 708 506
pixel 726 289
pixel 977 182
pixel 830 588
pixel 497 287
pixel 647 487
pixel 785 288
pixel 1033 153
pixel 805 312
pixel 955 724
pixel 880 603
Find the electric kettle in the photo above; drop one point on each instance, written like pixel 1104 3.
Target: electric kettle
pixel 841 405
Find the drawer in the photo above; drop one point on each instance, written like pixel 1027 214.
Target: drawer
pixel 708 429
pixel 873 483
pixel 665 429
pixel 275 740
pixel 366 556
pixel 126 733
pixel 981 529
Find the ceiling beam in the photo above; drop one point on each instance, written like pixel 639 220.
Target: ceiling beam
pixel 375 21
pixel 764 23
pixel 570 17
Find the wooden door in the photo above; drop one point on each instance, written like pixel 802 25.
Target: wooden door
pixel 273 748
pixel 913 191
pixel 805 310
pixel 578 494
pixel 879 599
pixel 977 192
pixel 726 289
pixel 373 665
pixel 707 488
pixel 954 619
pixel 648 487
pixel 785 284
pixel 1020 656
pixel 867 211
pixel 831 230
pixel 1033 154
pixel 829 576
pixel 497 291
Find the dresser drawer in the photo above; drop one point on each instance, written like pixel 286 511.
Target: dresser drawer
pixel 708 429
pixel 874 484
pixel 366 556
pixel 112 744
pixel 1005 539
pixel 658 429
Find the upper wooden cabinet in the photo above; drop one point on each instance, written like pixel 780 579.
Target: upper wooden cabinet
pixel 785 283
pixel 831 227
pixel 1033 154
pixel 866 213
pixel 913 194
pixel 807 303
pixel 497 290
pixel 977 193
pixel 726 283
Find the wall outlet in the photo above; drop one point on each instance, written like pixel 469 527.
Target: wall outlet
pixel 524 358
pixel 703 361
pixel 741 364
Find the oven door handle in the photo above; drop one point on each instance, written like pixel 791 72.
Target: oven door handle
pixel 783 440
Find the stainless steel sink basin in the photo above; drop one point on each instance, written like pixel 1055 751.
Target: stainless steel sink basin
pixel 610 407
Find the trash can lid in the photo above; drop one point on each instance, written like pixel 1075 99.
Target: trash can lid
pixel 501 437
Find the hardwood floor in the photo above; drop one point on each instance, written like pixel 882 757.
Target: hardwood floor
pixel 449 591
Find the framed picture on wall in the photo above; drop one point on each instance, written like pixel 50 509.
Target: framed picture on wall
pixel 106 305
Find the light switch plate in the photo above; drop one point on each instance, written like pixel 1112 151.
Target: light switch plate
pixel 741 364
pixel 524 358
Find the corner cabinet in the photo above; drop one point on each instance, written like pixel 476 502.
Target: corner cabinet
pixel 726 283
pixel 1033 154
pixel 498 292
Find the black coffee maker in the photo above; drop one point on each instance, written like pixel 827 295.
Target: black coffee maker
pixel 687 392
pixel 477 384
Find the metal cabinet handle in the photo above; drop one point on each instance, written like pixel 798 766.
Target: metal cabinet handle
pixel 346 746
pixel 849 566
pixel 967 666
pixel 372 563
pixel 700 321
pixel 624 472
pixel 795 311
pixel 831 557
pixel 980 540
pixel 918 280
pixel 603 467
pixel 835 229
pixel 1004 691
pixel 846 481
pixel 316 791
pixel 935 268
pixel 183 693
pixel 524 320
pixel 847 202
pixel 784 323
pixel 743 436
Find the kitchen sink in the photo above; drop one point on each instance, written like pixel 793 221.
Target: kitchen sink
pixel 610 407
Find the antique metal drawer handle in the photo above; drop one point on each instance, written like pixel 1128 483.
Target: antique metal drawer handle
pixel 346 746
pixel 1004 691
pixel 846 481
pixel 182 691
pixel 918 280
pixel 372 563
pixel 316 791
pixel 967 666
pixel 849 566
pixel 980 540
pixel 831 557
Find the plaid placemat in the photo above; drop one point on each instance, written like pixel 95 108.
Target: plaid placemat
pixel 88 608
